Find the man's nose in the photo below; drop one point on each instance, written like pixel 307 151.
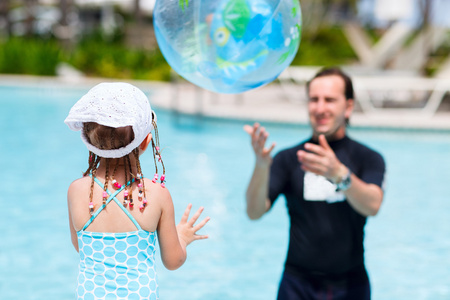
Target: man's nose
pixel 320 107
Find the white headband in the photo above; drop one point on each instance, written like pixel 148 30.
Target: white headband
pixel 115 105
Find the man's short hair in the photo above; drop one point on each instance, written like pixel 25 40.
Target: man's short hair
pixel 349 93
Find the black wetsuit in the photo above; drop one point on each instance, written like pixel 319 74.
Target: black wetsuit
pixel 326 237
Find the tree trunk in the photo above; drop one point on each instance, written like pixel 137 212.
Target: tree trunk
pixel 426 24
pixel 137 12
pixel 4 12
pixel 64 9
pixel 29 22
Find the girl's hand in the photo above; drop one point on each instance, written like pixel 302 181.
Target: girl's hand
pixel 186 229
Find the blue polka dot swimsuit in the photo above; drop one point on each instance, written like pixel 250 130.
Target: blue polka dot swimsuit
pixel 116 265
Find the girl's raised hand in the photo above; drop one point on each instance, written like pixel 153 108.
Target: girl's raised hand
pixel 186 229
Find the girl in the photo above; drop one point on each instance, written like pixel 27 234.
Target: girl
pixel 115 212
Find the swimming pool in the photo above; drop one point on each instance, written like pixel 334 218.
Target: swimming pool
pixel 209 163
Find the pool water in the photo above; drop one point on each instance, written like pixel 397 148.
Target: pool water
pixel 209 163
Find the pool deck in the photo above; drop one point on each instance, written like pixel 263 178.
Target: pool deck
pixel 271 103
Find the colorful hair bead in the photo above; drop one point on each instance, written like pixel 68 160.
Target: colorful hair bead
pixel 105 196
pixel 163 185
pixel 155 178
pixel 116 184
pixel 91 208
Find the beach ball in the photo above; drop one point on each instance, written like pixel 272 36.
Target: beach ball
pixel 228 46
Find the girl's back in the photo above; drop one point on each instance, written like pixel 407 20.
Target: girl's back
pixel 114 212
pixel 112 218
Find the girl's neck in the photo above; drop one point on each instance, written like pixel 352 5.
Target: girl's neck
pixel 117 164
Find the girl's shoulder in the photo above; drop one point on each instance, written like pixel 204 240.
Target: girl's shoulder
pixel 157 190
pixel 80 184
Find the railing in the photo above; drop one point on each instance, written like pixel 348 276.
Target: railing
pixel 381 93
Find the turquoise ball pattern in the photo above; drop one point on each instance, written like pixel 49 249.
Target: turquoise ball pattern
pixel 228 46
pixel 117 265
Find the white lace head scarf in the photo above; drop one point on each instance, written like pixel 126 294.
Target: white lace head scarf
pixel 115 105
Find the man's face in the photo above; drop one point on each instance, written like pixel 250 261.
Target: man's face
pixel 328 108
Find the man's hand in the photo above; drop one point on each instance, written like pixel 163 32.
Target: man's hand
pixel 321 160
pixel 259 136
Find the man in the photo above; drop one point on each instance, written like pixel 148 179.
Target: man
pixel 331 184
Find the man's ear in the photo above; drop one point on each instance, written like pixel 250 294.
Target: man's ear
pixel 145 142
pixel 350 105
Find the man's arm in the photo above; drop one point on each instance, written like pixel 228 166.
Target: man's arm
pixel 363 197
pixel 257 191
pixel 257 202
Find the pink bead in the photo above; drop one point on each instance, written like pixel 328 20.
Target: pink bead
pixel 141 206
pixel 105 194
pixel 125 193
pixel 145 201
pixel 163 177
pixel 163 185
pixel 157 148
pixel 131 204
pixel 140 185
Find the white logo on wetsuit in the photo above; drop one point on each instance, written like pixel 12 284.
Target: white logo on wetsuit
pixel 318 188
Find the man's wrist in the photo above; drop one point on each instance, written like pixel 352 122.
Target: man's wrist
pixel 344 181
pixel 263 163
pixel 341 173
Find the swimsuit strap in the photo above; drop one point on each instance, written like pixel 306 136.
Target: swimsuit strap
pixel 112 196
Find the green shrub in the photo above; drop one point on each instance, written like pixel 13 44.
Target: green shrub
pixel 326 47
pixel 98 55
pixel 29 56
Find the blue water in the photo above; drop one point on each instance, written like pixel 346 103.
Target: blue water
pixel 209 163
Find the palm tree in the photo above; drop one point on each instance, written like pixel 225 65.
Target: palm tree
pixel 137 12
pixel 29 22
pixel 4 11
pixel 64 6
pixel 317 13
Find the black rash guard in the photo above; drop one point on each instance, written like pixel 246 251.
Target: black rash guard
pixel 326 236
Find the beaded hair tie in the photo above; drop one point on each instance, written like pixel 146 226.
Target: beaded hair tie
pixel 157 158
pixel 94 161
